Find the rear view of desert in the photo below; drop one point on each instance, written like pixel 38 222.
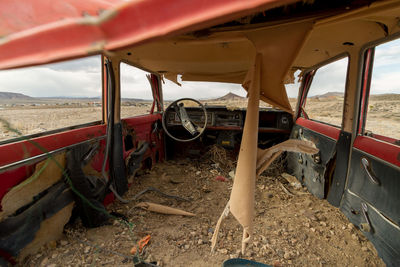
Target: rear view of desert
pixel 29 115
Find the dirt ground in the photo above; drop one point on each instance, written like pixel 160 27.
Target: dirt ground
pixel 292 228
pixel 31 120
pixel 383 116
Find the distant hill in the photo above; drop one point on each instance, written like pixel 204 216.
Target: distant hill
pixel 229 97
pixel 135 100
pixel 377 97
pixel 16 96
pixel 329 95
pixel 393 97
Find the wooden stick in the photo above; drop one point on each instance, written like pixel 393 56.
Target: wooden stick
pixel 163 209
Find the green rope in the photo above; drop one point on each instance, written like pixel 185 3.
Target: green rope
pixel 8 126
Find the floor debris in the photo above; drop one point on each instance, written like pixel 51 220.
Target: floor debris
pixel 163 209
pixel 286 190
pixel 141 244
pixel 152 189
pixel 292 180
pixel 283 225
pixel 221 178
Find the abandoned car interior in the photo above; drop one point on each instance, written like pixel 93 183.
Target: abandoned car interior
pixel 229 163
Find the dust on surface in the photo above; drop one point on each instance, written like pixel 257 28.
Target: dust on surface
pixel 298 230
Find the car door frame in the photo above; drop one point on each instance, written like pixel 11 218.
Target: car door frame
pixel 330 139
pixel 383 156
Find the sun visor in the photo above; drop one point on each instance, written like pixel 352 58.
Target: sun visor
pixel 229 77
pixel 279 47
pixel 173 77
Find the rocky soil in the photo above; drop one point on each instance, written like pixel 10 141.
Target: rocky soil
pixel 292 227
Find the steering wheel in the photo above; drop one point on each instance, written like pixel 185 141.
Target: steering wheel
pixel 186 122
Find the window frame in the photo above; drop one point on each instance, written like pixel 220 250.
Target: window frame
pixel 365 86
pixel 308 78
pixel 71 127
pixel 160 92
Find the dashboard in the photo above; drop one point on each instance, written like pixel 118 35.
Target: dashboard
pixel 222 118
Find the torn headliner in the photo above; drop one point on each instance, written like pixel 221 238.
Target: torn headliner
pixel 179 39
pixel 225 54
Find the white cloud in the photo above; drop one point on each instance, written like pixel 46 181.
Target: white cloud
pixel 384 83
pixel 386 69
pixel 292 89
pixel 330 78
pixel 79 78
pixel 134 84
pixel 387 55
pixel 200 90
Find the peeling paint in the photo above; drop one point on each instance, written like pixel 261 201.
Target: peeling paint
pixel 103 17
pixel 96 47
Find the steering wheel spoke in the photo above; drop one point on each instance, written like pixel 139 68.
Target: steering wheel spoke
pixel 179 107
pixel 185 120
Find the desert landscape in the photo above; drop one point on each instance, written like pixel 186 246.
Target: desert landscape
pixel 34 115
pixel 293 228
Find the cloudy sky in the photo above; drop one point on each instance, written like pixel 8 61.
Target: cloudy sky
pixel 81 78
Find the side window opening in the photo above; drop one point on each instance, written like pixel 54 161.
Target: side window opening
pixel 292 89
pixel 39 99
pixel 136 91
pixel 325 96
pixel 383 112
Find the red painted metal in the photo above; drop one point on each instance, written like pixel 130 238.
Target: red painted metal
pixel 384 138
pixel 321 128
pixel 144 119
pixel 10 153
pixel 21 15
pixel 14 152
pixel 108 199
pixel 303 97
pixel 49 39
pixel 382 150
pixel 143 127
pixel 364 100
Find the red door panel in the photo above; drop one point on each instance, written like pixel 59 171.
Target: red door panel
pixel 321 128
pixel 17 160
pixel 385 151
pixel 146 128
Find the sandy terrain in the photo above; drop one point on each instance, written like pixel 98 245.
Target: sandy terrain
pixel 298 230
pixel 383 114
pixel 31 120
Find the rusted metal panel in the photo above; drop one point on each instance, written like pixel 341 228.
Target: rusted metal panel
pixel 117 27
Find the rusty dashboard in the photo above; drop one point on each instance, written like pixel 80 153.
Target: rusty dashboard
pixel 222 118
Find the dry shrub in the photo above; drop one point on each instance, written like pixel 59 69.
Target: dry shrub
pixel 277 167
pixel 219 155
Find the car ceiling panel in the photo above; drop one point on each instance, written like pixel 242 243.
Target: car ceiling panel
pixel 193 57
